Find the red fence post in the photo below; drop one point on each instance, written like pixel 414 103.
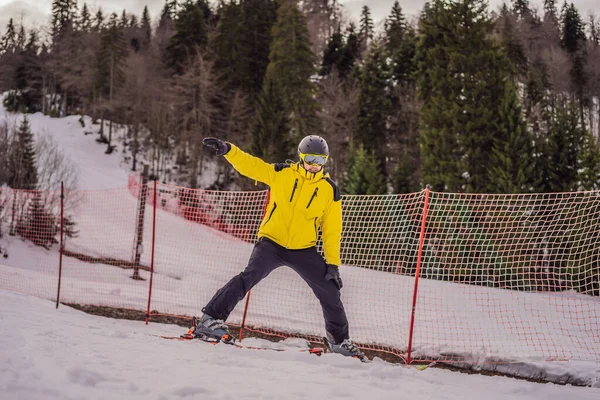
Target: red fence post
pixel 248 295
pixel 152 255
pixel 417 272
pixel 60 250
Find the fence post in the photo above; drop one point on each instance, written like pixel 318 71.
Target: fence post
pixel 152 255
pixel 249 292
pixel 61 245
pixel 417 272
pixel 140 226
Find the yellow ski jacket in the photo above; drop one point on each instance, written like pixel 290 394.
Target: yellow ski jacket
pixel 300 202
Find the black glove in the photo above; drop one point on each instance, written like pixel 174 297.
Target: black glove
pixel 220 147
pixel 333 273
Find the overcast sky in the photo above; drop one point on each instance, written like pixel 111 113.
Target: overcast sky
pixel 35 13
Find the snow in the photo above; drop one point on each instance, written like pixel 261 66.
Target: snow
pixel 67 354
pixel 74 355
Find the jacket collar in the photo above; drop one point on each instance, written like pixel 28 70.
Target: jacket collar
pixel 313 177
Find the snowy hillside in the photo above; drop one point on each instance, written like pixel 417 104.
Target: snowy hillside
pixel 192 261
pixel 116 359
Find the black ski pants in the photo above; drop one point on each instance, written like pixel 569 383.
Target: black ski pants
pixel 308 263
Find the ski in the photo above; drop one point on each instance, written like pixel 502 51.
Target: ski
pixel 231 341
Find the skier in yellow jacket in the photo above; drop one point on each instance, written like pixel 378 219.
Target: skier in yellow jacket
pixel 302 199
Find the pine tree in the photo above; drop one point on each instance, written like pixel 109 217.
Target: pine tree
pixel 38 225
pixel 21 39
pixel 366 27
pixel 512 168
pixel 550 9
pixel 29 76
pixel 270 132
pixel 99 20
pixel 564 150
pixel 400 44
pixel 373 102
pixel 23 174
pixel 85 19
pixel 9 40
pixel 461 80
pixel 522 8
pixel 258 18
pixel 332 53
pixel 588 171
pixel 573 40
pixel 64 15
pixel 226 44
pixel 350 54
pixel 291 66
pixel 146 28
pixel 190 34
pixel 365 176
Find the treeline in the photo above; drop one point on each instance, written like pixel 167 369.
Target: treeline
pixel 465 99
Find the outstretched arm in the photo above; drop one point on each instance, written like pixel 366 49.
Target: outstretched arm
pixel 250 166
pixel 244 163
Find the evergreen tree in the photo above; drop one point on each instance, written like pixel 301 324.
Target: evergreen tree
pixel 38 225
pixel 85 19
pixel 550 9
pixel 573 32
pixel 373 102
pixel 146 28
pixel 522 8
pixel 365 176
pixel 190 33
pixel 564 150
pixel 99 20
pixel 573 40
pixel 332 53
pixel 64 14
pixel 588 171
pixel 291 66
pixel 258 18
pixel 9 40
pixel 124 22
pixel 226 44
pixel 29 76
pixel 270 131
pixel 366 27
pixel 461 81
pixel 400 44
pixel 21 39
pixel 512 168
pixel 23 173
pixel 350 54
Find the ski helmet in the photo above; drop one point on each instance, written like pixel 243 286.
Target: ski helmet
pixel 314 150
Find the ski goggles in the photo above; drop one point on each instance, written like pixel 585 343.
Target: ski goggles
pixel 314 159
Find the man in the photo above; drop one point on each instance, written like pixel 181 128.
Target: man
pixel 302 199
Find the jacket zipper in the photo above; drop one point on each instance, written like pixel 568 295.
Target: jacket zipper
pixel 312 197
pixel 316 233
pixel 294 190
pixel 271 213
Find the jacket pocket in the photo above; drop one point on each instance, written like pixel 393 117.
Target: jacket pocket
pixel 271 213
pixel 294 189
pixel 312 197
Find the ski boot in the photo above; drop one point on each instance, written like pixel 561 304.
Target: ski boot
pixel 213 330
pixel 345 348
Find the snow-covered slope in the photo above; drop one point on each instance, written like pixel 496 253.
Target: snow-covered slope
pixel 116 359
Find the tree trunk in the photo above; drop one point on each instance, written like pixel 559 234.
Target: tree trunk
pixel 110 99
